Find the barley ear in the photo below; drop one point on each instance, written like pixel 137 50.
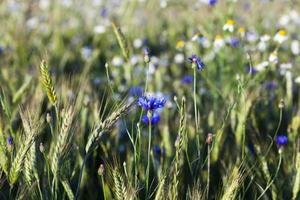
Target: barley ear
pixel 62 139
pixel 47 83
pixel 121 40
pixel 31 129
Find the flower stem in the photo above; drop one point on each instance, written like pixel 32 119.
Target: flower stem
pixel 149 150
pixel 195 98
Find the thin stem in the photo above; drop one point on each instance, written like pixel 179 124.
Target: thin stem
pixel 277 129
pixel 80 176
pixel 147 78
pixel 103 189
pixel 149 150
pixel 208 169
pixel 271 182
pixel 195 98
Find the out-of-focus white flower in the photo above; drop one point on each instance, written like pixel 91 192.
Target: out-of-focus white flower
pixel 262 66
pixel 204 42
pixel 295 17
pixel 99 29
pixel 154 60
pixel 135 59
pixel 284 20
pixel 219 42
pixel 265 38
pixel 151 68
pixel 262 45
pixel 297 79
pixel 295 47
pixel 137 43
pixel 44 4
pixel 86 52
pixel 251 36
pixel 66 3
pixel 32 23
pixel 280 36
pixel 163 3
pixel 229 26
pixel 117 61
pixel 179 58
pixel 273 58
pixel 284 67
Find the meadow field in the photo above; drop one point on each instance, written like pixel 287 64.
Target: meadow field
pixel 150 99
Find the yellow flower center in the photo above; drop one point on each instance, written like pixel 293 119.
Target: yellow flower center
pixel 180 44
pixel 242 30
pixel 218 37
pixel 282 33
pixel 230 22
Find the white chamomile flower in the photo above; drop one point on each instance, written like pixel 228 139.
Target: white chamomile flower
pixel 179 58
pixel 273 58
pixel 295 47
pixel 280 36
pixel 297 79
pixel 117 61
pixel 99 29
pixel 262 66
pixel 138 43
pixel 229 26
pixel 219 42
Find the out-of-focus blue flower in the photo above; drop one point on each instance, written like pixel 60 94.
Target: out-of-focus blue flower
pixel 252 149
pixel 158 152
pixel 136 91
pixel 271 85
pixel 187 79
pixel 122 149
pixel 10 141
pixel 197 61
pixel 251 70
pixel 104 12
pixel 146 51
pixel 155 119
pixel 281 140
pixel 151 103
pixel 212 2
pixel 1 50
pixel 234 42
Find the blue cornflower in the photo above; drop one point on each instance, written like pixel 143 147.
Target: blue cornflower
pixel 187 79
pixel 104 12
pixel 234 42
pixel 155 119
pixel 146 51
pixel 157 151
pixel 197 61
pixel 281 140
pixel 151 103
pixel 251 70
pixel 212 2
pixel 271 85
pixel 136 91
pixel 1 50
pixel 10 141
